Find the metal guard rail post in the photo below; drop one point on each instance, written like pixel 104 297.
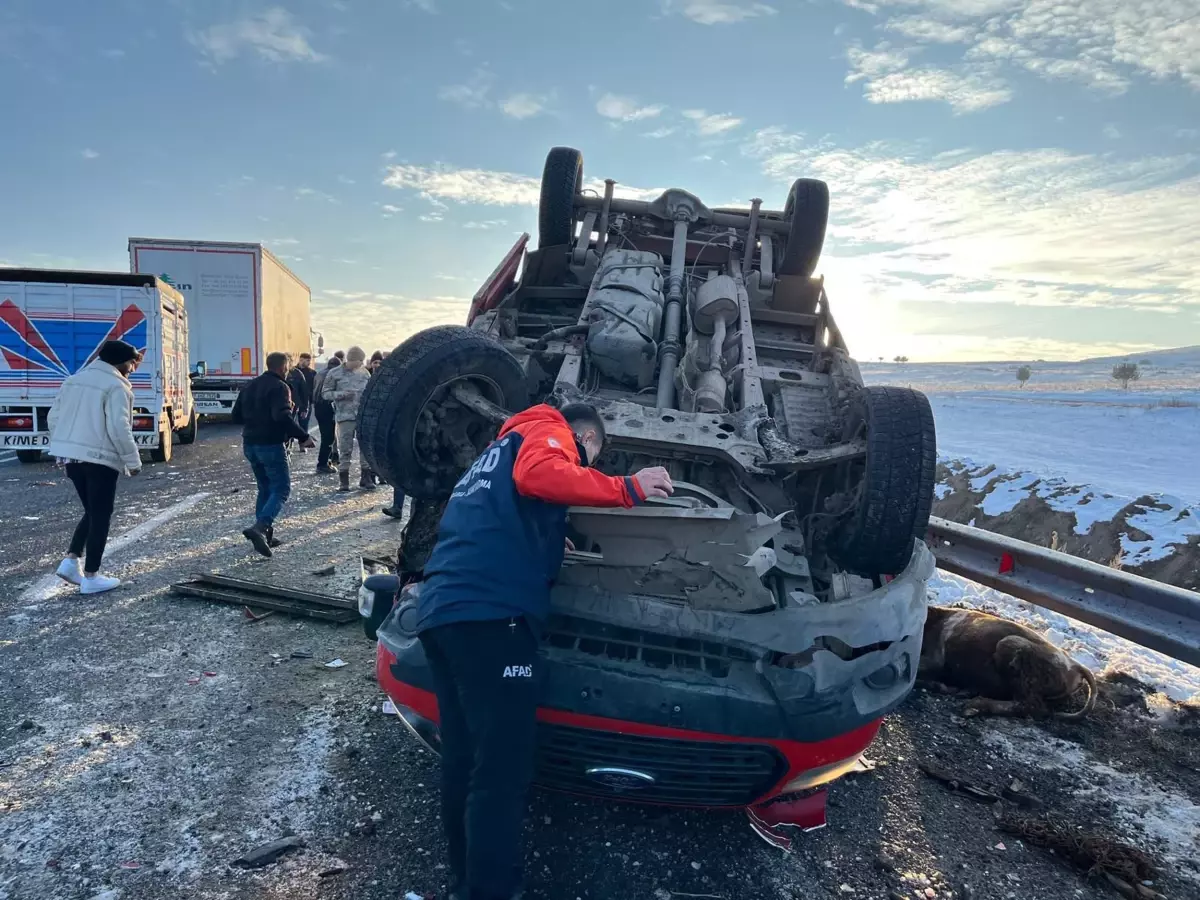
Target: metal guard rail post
pixel 1156 615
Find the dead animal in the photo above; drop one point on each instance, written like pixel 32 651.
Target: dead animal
pixel 1012 669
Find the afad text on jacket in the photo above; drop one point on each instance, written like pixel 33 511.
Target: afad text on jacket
pixel 502 536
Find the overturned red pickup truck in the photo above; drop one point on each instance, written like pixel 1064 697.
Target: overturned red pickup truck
pixel 738 644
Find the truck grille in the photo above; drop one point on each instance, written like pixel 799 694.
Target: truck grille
pixel 686 773
pixel 657 651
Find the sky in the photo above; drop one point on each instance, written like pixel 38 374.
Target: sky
pixel 1010 179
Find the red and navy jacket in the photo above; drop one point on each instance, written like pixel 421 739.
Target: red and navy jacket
pixel 502 536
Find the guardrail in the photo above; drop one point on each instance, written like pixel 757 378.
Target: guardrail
pixel 1156 615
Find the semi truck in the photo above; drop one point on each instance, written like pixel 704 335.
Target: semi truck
pixel 243 303
pixel 52 323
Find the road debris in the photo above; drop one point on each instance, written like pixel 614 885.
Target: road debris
pixel 955 783
pixel 240 592
pixel 336 663
pixel 1125 867
pixel 388 708
pixel 269 853
pixel 328 570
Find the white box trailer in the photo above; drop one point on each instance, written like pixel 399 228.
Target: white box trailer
pixel 52 323
pixel 243 303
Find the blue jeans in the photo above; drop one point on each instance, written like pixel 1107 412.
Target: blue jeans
pixel 269 464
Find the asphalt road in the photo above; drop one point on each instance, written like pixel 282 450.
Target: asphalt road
pixel 147 741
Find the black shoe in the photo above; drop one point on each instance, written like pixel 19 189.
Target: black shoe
pixel 343 482
pixel 394 512
pixel 272 541
pixel 258 537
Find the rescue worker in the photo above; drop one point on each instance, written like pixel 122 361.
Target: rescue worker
pixel 264 410
pixel 485 596
pixel 344 387
pixel 323 410
pixel 91 431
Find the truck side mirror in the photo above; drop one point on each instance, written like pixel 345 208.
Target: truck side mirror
pixel 200 370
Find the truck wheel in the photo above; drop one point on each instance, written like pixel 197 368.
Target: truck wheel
pixel 896 481
pixel 807 213
pixel 412 431
pixel 162 453
pixel 29 456
pixel 562 182
pixel 187 434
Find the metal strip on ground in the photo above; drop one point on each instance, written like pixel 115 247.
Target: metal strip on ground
pixel 1155 615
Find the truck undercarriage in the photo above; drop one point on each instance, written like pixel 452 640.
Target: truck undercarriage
pixel 780 593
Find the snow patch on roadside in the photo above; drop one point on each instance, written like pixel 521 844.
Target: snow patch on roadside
pixel 1168 521
pixel 1096 649
pixel 1144 810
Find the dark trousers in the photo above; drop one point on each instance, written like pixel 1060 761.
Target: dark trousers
pixel 485 675
pixel 328 428
pixel 96 486
pixel 303 417
pixel 269 464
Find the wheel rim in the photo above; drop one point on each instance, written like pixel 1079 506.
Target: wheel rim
pixel 447 433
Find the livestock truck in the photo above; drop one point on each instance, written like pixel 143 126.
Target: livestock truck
pixel 243 303
pixel 52 323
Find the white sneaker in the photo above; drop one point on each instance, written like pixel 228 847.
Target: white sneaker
pixel 97 584
pixel 69 571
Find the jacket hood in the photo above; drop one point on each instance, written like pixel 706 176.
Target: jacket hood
pixel 541 413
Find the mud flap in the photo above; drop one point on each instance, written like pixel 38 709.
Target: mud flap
pixel 773 821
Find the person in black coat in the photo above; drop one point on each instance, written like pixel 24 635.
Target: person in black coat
pixel 264 410
pixel 301 381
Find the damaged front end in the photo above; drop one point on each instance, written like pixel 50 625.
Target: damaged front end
pixel 685 666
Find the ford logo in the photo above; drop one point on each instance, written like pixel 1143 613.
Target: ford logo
pixel 620 779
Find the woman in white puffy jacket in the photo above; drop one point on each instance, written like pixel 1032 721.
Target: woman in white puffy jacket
pixel 91 430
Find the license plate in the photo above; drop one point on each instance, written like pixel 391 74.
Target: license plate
pixel 205 395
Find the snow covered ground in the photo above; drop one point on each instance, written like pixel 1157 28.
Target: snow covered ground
pixel 1074 438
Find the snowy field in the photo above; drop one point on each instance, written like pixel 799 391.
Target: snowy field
pixel 1074 438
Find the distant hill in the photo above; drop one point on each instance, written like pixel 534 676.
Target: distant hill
pixel 1177 356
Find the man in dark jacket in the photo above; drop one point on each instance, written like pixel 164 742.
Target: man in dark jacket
pixel 300 380
pixel 328 454
pixel 264 410
pixel 485 595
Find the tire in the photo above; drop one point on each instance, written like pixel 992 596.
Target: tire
pixel 562 182
pixel 187 434
pixel 166 446
pixel 897 482
pixel 29 456
pixel 391 406
pixel 807 212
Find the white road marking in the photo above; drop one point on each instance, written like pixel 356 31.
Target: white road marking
pixel 47 586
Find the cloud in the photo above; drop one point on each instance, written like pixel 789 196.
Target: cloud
pixel 718 12
pixel 474 93
pixel 625 109
pixel 659 133
pixel 345 179
pixel 1035 227
pixel 1112 132
pixel 88 153
pixel 1099 43
pixel 709 124
pixel 487 225
pixel 272 35
pixel 524 106
pixel 888 78
pixel 388 210
pixel 425 6
pixel 377 320
pixel 440 183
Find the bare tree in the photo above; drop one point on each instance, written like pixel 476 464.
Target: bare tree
pixel 1126 372
pixel 1024 374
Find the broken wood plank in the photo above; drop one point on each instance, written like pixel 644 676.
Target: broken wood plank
pixel 200 591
